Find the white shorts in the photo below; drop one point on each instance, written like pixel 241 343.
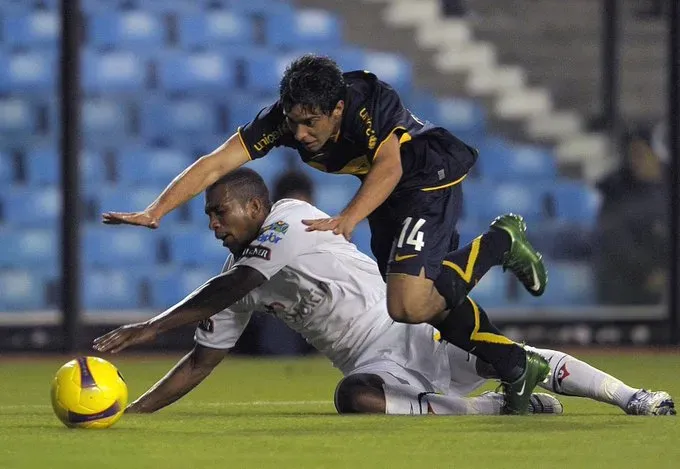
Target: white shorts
pixel 429 365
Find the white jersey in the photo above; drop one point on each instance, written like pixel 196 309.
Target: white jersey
pixel 320 285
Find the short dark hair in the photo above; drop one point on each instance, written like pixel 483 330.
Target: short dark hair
pixel 314 82
pixel 245 184
pixel 292 182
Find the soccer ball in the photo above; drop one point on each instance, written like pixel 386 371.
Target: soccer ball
pixel 88 392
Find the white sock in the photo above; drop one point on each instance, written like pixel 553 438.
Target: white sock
pixel 401 399
pixel 572 377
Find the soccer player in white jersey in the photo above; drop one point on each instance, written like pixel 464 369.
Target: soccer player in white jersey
pixel 334 295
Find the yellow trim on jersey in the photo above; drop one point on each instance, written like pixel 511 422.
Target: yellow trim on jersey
pixel 472 259
pixel 405 137
pixel 240 137
pixel 377 150
pixel 485 336
pixel 444 186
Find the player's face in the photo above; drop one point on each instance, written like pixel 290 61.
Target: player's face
pixel 234 223
pixel 314 128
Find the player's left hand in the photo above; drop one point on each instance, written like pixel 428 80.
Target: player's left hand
pixel 340 225
pixel 124 337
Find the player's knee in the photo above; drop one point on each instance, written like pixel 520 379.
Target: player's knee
pixel 360 394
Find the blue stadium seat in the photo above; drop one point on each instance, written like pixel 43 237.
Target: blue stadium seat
pixel 140 165
pixel 7 168
pixel 270 166
pixel 21 290
pixel 113 72
pixel 111 289
pixel 460 116
pixel 242 108
pixel 104 247
pixel 31 29
pixel 576 203
pixel 124 199
pixel 42 167
pixel 197 247
pixel 492 289
pixel 302 28
pixel 523 162
pixel 28 248
pixel 33 72
pixel 208 30
pixel 390 68
pixel 361 237
pixel 484 201
pixel 31 207
pixel 122 29
pixel 263 8
pixel 171 285
pixel 196 73
pixel 571 284
pixel 105 121
pixel 169 120
pixel 334 195
pixel 18 117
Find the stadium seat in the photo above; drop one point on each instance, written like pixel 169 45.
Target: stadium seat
pixel 304 27
pixel 104 247
pixel 136 29
pixel 262 8
pixel 242 108
pixel 501 161
pixel 141 165
pixel 7 168
pixel 334 195
pixel 111 289
pixel 18 117
pixel 125 199
pixel 31 207
pixel 35 29
pixel 460 116
pixel 571 284
pixel 484 201
pixel 21 290
pixel 28 248
pixel 361 237
pixel 271 165
pixel 197 247
pixel 492 289
pixel 42 166
pixel 208 30
pixel 168 120
pixel 33 72
pixel 576 203
pixel 105 121
pixel 196 73
pixel 113 72
pixel 390 68
pixel 171 285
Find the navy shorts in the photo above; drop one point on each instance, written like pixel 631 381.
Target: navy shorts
pixel 415 230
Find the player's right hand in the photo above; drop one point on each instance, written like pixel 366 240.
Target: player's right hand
pixel 124 337
pixel 131 218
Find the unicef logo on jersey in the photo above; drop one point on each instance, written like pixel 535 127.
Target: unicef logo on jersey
pixel 269 238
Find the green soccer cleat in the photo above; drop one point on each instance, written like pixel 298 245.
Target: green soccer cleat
pixel 522 259
pixel 518 394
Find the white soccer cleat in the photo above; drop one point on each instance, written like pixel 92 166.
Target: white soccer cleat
pixel 539 403
pixel 646 402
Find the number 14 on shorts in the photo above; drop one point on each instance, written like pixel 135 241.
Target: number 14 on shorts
pixel 415 235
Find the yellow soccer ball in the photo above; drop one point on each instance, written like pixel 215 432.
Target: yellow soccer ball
pixel 88 392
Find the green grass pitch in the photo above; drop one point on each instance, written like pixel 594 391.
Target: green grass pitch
pixel 279 414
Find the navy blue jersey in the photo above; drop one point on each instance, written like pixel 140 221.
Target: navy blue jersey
pixel 373 112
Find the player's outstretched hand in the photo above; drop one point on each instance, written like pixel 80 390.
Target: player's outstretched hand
pixel 133 218
pixel 339 225
pixel 124 337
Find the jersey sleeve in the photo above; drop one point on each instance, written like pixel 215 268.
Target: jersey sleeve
pixel 383 116
pixel 264 132
pixel 281 240
pixel 222 330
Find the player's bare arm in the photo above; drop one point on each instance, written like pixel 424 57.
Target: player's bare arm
pixel 193 180
pixel 188 373
pixel 376 188
pixel 215 295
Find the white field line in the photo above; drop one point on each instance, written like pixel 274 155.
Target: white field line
pixel 200 404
